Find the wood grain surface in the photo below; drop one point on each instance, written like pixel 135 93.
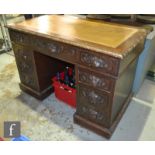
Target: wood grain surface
pixel 114 39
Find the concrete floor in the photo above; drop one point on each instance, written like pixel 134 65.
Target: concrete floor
pixel 52 119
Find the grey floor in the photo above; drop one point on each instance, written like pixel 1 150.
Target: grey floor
pixel 52 119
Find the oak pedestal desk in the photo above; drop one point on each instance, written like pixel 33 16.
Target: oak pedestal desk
pixel 104 56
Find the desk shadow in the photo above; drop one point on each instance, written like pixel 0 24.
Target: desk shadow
pixel 130 127
pixel 60 114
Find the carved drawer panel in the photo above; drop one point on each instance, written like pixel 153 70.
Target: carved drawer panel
pixel 100 62
pixel 45 46
pixel 96 80
pixel 93 115
pixel 93 104
pixel 69 53
pixel 36 42
pixel 25 65
pixel 92 97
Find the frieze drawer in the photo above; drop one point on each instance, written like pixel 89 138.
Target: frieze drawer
pixel 45 46
pixel 99 81
pixel 38 43
pixel 99 62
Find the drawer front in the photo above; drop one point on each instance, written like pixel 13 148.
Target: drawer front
pixel 93 104
pixel 96 80
pixel 92 97
pixel 93 115
pixel 25 65
pixel 46 46
pixel 69 53
pixel 100 62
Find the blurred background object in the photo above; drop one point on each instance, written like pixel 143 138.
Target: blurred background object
pixel 146 18
pixel 28 16
pixel 98 17
pixel 5 43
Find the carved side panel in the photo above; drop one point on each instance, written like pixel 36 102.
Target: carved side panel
pixel 100 62
pixel 25 64
pixel 98 81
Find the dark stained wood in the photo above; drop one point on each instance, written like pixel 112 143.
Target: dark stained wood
pixel 101 82
pixel 104 66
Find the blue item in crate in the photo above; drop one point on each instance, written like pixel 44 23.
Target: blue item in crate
pixel 21 138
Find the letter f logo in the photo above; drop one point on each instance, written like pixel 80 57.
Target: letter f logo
pixel 11 129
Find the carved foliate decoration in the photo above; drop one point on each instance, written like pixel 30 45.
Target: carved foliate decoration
pixel 98 82
pixel 102 63
pixel 94 115
pixel 93 97
pixel 52 47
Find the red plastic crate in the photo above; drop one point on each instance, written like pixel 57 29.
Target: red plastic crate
pixel 64 92
pixel 1 139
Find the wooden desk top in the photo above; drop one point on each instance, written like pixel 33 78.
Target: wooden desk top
pixel 112 39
